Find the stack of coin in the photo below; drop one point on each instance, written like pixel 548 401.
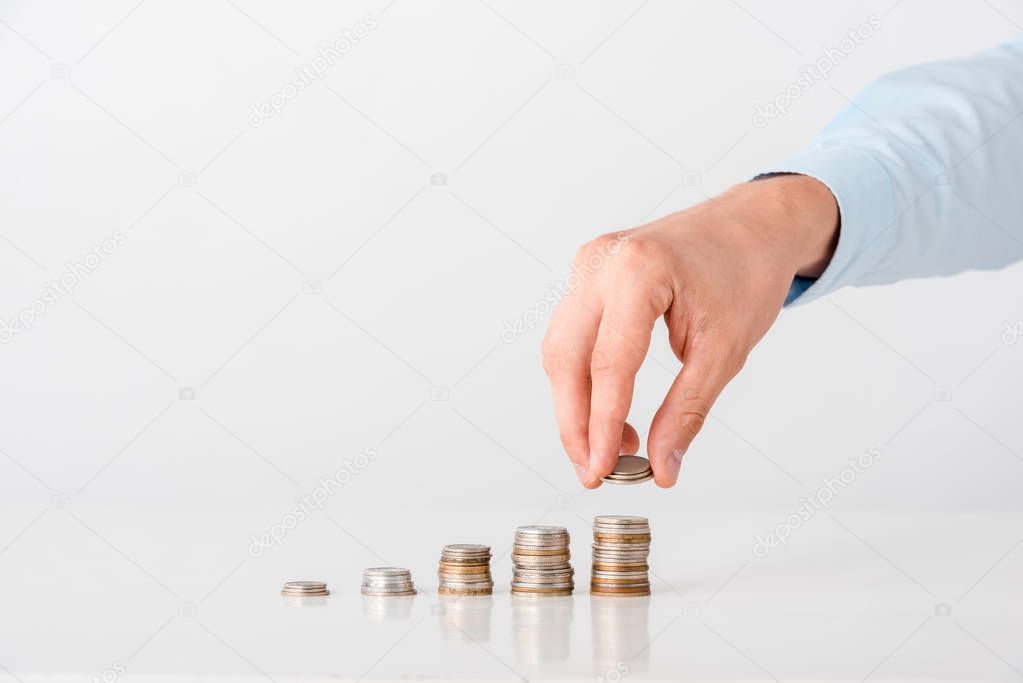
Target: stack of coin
pixel 465 570
pixel 621 545
pixel 387 582
pixel 304 589
pixel 540 561
pixel 630 469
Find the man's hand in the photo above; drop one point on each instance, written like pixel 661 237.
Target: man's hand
pixel 718 273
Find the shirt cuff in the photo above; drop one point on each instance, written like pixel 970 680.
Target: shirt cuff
pixel 866 206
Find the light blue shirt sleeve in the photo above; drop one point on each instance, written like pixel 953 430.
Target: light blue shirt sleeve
pixel 926 165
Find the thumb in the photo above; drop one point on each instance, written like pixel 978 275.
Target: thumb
pixel 680 418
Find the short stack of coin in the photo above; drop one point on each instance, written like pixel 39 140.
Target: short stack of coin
pixel 621 545
pixel 540 561
pixel 465 570
pixel 387 582
pixel 629 470
pixel 304 589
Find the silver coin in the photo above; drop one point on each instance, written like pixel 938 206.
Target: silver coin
pixel 467 584
pixel 541 565
pixel 628 477
pixel 630 465
pixel 386 571
pixel 628 482
pixel 621 520
pixel 542 541
pixel 633 475
pixel 603 574
pixel 387 584
pixel 388 589
pixel 466 550
pixel 616 560
pixel 305 585
pixel 623 549
pixel 542 574
pixel 542 530
pixel 551 539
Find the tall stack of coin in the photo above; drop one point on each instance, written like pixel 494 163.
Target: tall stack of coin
pixel 621 545
pixel 465 570
pixel 387 582
pixel 540 561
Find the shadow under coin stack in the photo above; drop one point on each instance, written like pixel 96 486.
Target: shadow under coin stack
pixel 465 570
pixel 387 582
pixel 540 561
pixel 621 545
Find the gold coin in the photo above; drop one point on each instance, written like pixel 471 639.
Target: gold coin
pixel 531 591
pixel 614 539
pixel 620 591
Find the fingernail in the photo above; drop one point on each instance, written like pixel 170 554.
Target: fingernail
pixel 580 472
pixel 675 463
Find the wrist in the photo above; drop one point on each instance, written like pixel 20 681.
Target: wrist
pixel 795 215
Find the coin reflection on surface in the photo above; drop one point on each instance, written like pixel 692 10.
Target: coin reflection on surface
pixel 380 608
pixel 293 601
pixel 541 628
pixel 465 618
pixel 621 633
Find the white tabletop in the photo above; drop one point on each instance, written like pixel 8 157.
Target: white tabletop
pixel 845 599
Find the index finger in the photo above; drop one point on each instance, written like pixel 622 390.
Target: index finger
pixel 566 359
pixel 618 352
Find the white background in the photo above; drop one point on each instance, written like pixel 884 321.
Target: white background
pixel 121 501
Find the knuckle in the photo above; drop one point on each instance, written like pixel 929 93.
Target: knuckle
pixel 602 250
pixel 737 363
pixel 694 400
pixel 637 252
pixel 732 361
pixel 691 423
pixel 602 362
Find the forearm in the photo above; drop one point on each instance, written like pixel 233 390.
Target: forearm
pixel 924 165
